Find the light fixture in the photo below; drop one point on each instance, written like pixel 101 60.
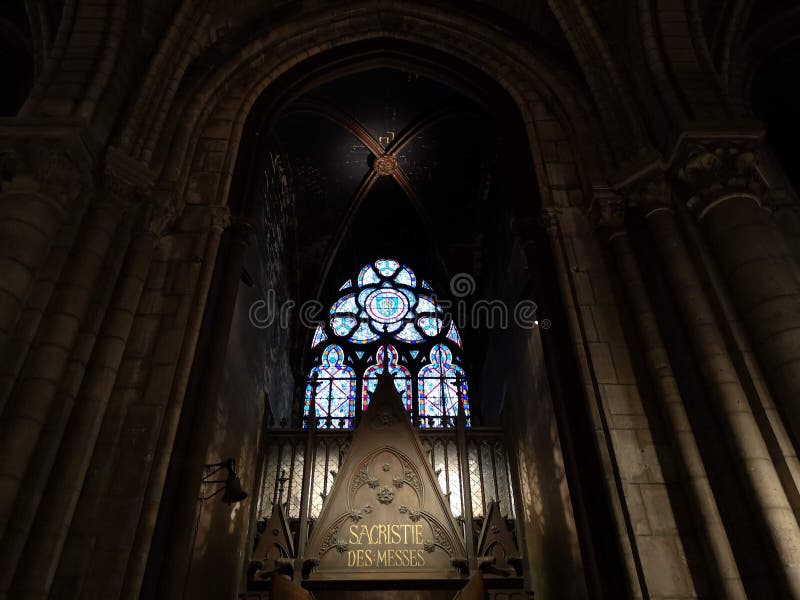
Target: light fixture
pixel 231 485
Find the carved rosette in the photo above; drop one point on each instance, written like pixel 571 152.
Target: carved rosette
pixel 385 495
pixel 713 169
pixel 385 165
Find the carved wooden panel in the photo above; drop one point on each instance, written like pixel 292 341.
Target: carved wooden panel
pixel 386 517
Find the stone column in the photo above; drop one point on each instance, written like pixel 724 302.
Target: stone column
pixel 29 405
pixel 218 220
pixel 725 573
pixel 180 554
pixel 724 191
pixel 725 390
pixel 40 559
pixel 41 189
pixel 632 566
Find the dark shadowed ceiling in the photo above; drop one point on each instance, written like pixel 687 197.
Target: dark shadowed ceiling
pixel 431 212
pixel 428 214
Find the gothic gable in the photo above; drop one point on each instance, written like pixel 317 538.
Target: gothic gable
pixel 386 517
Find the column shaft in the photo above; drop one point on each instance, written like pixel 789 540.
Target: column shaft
pixel 33 208
pixel 29 406
pixel 762 276
pixel 50 530
pixel 32 489
pixel 180 554
pixel 18 345
pixel 695 479
pixel 632 567
pixel 140 551
pixel 729 398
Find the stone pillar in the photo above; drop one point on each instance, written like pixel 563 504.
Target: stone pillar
pixel 724 191
pixel 632 567
pixel 32 488
pixel 41 189
pixel 30 403
pixel 40 558
pixel 724 571
pixel 180 554
pixel 725 390
pixel 218 219
pixel 15 351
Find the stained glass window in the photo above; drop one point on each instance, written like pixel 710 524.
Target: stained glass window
pixel 319 336
pixel 441 384
pixel 386 316
pixel 332 390
pixel 402 377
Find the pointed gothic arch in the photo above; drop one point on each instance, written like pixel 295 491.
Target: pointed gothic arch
pixel 386 320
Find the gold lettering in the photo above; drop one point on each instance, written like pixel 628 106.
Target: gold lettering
pixel 393 541
pixel 405 555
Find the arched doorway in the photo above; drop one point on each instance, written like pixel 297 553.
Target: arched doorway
pixel 515 216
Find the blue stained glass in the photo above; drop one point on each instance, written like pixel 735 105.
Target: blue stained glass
pixel 406 277
pixel 381 304
pixel 439 385
pixel 402 377
pixel 453 336
pixel 345 304
pixel 410 334
pixel 387 267
pixel 431 326
pixel 331 389
pixel 319 336
pixel 386 305
pixel 342 326
pixel 367 276
pixel 425 305
pixel 412 298
pixel 363 335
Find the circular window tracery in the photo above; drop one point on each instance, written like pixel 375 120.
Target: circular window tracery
pixel 387 305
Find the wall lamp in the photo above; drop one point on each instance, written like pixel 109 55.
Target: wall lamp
pixel 231 485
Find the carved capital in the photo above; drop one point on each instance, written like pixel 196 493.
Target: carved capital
pixel 220 217
pixel 651 193
pixel 551 217
pixel 44 168
pixel 713 169
pixel 160 214
pixel 609 212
